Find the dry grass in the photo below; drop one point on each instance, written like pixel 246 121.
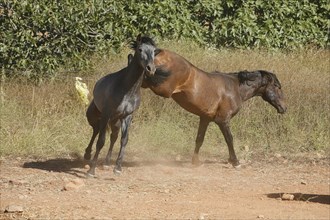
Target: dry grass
pixel 48 120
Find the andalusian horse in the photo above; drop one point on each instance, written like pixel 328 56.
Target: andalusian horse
pixel 116 97
pixel 213 97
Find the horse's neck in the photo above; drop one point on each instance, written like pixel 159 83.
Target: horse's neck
pixel 134 75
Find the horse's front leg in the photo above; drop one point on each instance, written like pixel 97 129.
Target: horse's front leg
pixel 203 124
pixel 115 126
pixel 224 127
pixel 125 123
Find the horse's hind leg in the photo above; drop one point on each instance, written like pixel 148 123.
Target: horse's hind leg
pixel 100 143
pixel 203 124
pixel 125 123
pixel 224 127
pixel 115 126
pixel 88 150
pixel 93 118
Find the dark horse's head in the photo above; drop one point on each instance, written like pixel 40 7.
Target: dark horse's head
pixel 145 50
pixel 268 87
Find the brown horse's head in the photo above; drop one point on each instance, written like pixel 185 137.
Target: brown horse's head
pixel 272 91
pixel 145 50
pixel 266 85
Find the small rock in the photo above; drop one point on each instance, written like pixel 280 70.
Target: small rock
pixel 277 155
pixel 106 167
pixel 303 182
pixel 87 167
pixel 74 184
pixel 287 196
pixel 22 196
pixel 78 181
pixel 13 209
pixel 202 216
pixel 260 216
pixel 166 191
pixel 319 155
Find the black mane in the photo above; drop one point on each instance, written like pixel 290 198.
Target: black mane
pixel 245 76
pixel 272 76
pixel 144 40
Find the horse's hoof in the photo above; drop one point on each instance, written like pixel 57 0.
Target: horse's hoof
pixel 117 171
pixel 238 166
pixel 235 163
pixel 195 161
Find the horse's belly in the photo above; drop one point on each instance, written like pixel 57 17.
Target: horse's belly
pixel 201 107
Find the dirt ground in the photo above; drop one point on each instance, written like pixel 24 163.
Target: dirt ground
pixel 168 189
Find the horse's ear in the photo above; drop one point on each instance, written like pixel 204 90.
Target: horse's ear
pixel 266 77
pixel 139 39
pixel 276 81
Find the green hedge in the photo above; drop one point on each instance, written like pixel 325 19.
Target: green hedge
pixel 269 24
pixel 37 37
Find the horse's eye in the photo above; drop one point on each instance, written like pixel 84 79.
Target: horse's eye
pixel 157 51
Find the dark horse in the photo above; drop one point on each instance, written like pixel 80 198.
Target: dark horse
pixel 116 97
pixel 212 96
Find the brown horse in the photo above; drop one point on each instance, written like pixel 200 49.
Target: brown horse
pixel 212 96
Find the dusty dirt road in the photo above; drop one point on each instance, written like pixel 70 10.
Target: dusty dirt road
pixel 58 189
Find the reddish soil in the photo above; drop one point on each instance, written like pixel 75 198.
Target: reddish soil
pixel 164 190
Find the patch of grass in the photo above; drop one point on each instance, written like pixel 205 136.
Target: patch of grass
pixel 48 120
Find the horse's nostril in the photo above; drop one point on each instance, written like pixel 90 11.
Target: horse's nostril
pixel 283 109
pixel 148 68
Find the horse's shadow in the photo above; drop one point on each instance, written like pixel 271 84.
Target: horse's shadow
pixel 317 198
pixel 76 166
pixel 60 165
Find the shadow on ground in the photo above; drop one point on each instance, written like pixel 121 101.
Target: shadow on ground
pixel 68 165
pixel 65 165
pixel 323 199
pixel 77 168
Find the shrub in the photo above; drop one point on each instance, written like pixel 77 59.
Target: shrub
pixel 39 37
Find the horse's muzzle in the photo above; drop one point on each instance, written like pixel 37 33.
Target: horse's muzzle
pixel 150 70
pixel 281 109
